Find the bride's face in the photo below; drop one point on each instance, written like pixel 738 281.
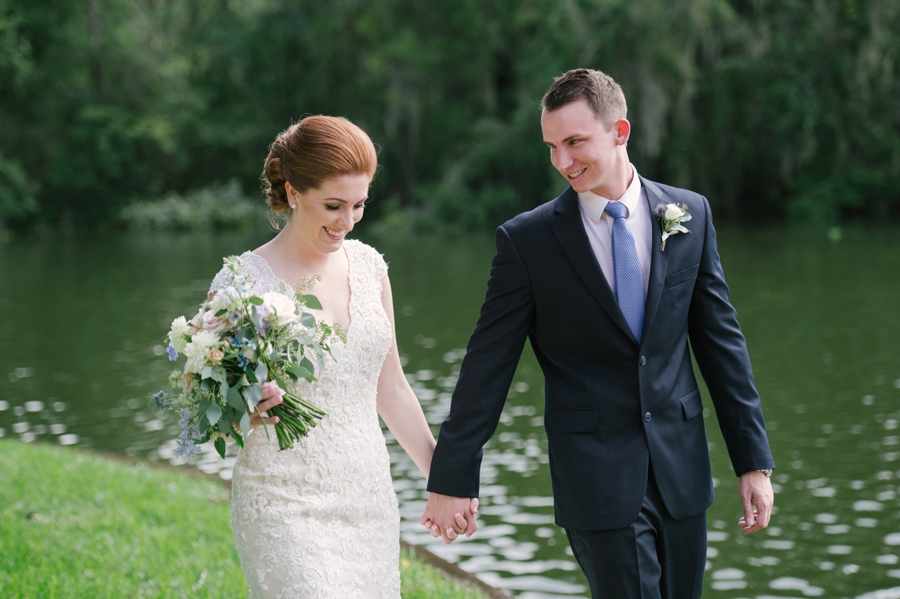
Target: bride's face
pixel 327 214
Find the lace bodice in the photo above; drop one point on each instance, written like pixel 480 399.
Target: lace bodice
pixel 321 520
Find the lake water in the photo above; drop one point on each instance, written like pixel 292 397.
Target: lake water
pixel 84 320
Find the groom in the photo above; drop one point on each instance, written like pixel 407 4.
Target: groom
pixel 609 312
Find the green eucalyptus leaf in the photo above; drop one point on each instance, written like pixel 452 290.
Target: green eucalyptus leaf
pixel 218 374
pixel 234 397
pixel 256 301
pixel 253 394
pixel 255 319
pixel 299 371
pixel 245 424
pixel 262 373
pixel 220 446
pixel 307 319
pixel 312 302
pixel 213 413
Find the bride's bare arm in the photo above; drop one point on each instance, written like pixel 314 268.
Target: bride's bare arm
pixel 400 409
pixel 397 404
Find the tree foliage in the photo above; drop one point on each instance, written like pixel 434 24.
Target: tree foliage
pixel 789 105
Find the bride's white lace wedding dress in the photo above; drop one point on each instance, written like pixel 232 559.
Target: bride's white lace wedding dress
pixel 321 519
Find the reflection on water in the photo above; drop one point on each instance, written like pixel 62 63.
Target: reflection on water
pixel 86 317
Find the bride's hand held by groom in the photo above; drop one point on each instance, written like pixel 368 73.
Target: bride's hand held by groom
pixel 448 517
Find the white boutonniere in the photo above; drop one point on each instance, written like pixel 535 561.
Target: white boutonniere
pixel 671 217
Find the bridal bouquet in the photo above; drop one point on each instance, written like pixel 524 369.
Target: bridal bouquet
pixel 240 339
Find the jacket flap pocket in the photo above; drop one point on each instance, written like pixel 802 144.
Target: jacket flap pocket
pixel 571 421
pixel 691 404
pixel 682 276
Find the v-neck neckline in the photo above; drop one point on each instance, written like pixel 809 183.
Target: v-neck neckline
pixel 293 289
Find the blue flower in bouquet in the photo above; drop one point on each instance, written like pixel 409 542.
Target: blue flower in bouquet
pixel 188 436
pixel 188 449
pixel 161 402
pixel 173 354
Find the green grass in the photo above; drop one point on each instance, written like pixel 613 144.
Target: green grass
pixel 421 581
pixel 74 524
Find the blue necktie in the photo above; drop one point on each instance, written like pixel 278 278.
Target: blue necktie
pixel 629 283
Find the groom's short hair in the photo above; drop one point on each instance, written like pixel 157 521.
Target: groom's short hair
pixel 599 90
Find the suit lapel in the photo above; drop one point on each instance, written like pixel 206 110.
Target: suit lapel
pixel 658 261
pixel 570 233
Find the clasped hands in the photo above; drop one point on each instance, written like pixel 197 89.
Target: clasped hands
pixel 448 517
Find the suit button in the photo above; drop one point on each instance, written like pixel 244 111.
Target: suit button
pixel 646 416
pixel 643 360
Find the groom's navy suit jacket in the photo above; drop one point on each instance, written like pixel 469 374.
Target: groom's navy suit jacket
pixel 613 406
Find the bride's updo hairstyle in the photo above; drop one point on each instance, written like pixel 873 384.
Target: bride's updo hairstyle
pixel 311 151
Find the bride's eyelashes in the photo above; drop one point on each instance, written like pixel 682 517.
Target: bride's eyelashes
pixel 335 207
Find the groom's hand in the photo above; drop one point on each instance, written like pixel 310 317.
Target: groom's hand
pixel 757 498
pixel 448 517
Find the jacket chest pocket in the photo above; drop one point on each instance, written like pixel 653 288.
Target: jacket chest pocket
pixel 682 276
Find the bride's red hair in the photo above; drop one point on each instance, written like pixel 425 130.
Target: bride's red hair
pixel 313 150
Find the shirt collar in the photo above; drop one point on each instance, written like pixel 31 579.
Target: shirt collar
pixel 594 205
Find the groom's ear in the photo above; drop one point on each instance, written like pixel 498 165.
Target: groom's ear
pixel 623 131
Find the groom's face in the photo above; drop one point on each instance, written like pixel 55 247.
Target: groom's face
pixel 582 147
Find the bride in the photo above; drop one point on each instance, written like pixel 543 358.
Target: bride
pixel 321 519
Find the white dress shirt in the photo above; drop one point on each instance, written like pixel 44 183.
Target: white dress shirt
pixel 598 225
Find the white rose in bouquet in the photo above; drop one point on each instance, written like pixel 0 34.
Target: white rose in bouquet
pixel 281 307
pixel 197 350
